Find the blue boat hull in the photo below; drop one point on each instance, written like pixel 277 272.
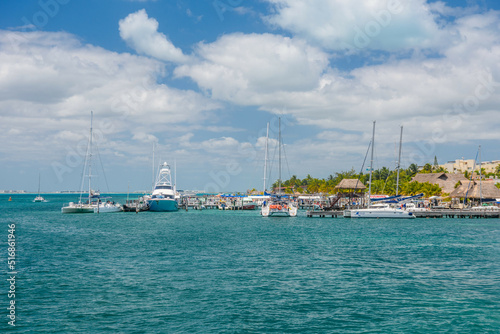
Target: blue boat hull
pixel 163 205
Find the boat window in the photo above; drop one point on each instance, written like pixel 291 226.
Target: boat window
pixel 163 187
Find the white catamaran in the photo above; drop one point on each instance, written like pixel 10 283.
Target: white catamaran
pixel 39 198
pixel 93 204
pixel 381 210
pixel 278 205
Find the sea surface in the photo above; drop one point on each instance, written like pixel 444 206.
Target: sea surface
pixel 236 272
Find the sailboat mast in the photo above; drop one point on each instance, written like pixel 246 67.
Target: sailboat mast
pixel 90 154
pixel 265 157
pixel 399 160
pixel 480 179
pixel 38 184
pixel 279 155
pixel 371 165
pixel 153 172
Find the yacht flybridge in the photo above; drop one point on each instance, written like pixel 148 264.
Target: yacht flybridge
pixel 163 196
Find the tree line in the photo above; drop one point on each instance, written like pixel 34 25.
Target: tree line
pixel 383 182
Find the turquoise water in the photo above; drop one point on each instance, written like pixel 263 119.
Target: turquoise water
pixel 218 271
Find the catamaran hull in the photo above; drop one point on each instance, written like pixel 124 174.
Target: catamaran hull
pixel 163 205
pixel 284 212
pixel 367 213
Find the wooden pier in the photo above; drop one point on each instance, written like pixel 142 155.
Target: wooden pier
pixel 457 214
pixel 421 214
pixel 323 214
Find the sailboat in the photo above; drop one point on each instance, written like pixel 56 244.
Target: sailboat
pixel 382 210
pixel 93 203
pixel 39 198
pixel 163 196
pixel 278 205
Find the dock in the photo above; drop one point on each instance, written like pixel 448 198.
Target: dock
pixel 323 214
pixel 420 214
pixel 450 213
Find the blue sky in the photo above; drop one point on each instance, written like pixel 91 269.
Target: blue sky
pixel 201 79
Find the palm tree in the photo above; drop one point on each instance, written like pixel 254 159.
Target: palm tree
pixel 413 169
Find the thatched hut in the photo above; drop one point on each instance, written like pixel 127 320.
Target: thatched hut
pixel 351 185
pixel 446 181
pixel 349 191
pixel 477 190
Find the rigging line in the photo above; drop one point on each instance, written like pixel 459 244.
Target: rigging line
pixel 83 173
pixel 272 160
pixel 386 179
pixel 84 169
pixel 363 166
pixel 102 167
pixel 286 160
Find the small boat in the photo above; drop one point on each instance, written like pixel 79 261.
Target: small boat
pixel 137 205
pixel 248 204
pixel 163 197
pixel 39 198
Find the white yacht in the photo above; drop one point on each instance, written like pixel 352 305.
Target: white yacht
pixel 163 197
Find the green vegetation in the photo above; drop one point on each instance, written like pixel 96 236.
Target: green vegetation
pixel 383 182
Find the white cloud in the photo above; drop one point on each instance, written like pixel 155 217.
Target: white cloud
pixel 49 83
pixel 141 34
pixel 239 66
pixel 388 25
pixel 248 70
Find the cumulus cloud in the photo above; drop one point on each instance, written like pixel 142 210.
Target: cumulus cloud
pixel 388 25
pixel 276 74
pixel 237 66
pixel 141 33
pixel 49 83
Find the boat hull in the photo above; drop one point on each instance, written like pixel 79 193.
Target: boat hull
pixel 163 205
pixel 266 211
pixel 108 208
pixel 374 213
pixel 78 209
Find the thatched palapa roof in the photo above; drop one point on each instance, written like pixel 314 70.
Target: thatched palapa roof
pixel 446 181
pixel 350 184
pixel 477 190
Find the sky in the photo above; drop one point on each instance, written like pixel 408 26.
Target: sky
pixel 200 81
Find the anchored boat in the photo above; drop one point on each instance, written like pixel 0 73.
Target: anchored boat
pixel 163 196
pixel 93 204
pixel 278 205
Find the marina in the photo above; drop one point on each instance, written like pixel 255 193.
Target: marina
pixel 202 271
pixel 420 214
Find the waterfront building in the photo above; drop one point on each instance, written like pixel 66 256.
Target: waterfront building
pixel 461 166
